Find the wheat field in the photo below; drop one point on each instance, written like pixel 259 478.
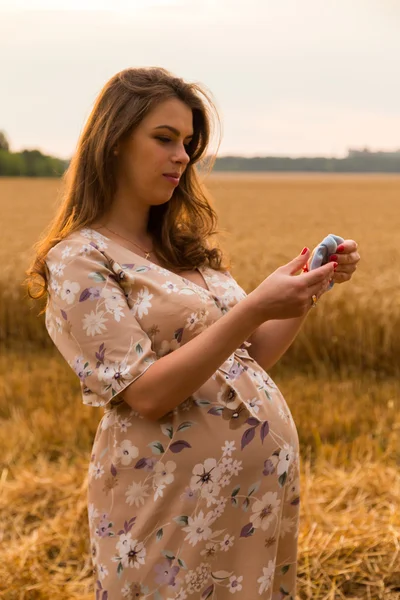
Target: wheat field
pixel 340 379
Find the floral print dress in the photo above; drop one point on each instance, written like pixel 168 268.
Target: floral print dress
pixel 204 502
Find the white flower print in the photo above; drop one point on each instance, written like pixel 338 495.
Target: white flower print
pixel 197 578
pixel 206 477
pixel 220 506
pixel 198 527
pixel 227 542
pixel 226 464
pixel 255 404
pixel 131 552
pixel 234 584
pixel 225 480
pixel 236 467
pixel 66 252
pixel 55 286
pixel 192 321
pixel 93 323
pixel 112 298
pixel 228 448
pixel 286 526
pixel 96 470
pixel 142 303
pixel 266 579
pixel 86 232
pixel 265 510
pixel 57 269
pixel 136 493
pixel 163 476
pixel 284 415
pixel 126 452
pixel 123 424
pixel 68 290
pixel 170 287
pixel 86 249
pixel 285 458
pixel 102 571
pixel 93 513
pixel 116 373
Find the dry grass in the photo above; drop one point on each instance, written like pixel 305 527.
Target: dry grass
pixel 339 379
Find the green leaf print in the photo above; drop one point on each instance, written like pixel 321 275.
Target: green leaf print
pixel 268 395
pixel 182 520
pixel 96 276
pixel 282 479
pixel 182 563
pixel 139 349
pixel 235 491
pixel 245 504
pixel 254 488
pixel 185 425
pixel 120 568
pixel 159 534
pixel 285 569
pixel 157 596
pixel 156 447
pixel 168 554
pixel 167 430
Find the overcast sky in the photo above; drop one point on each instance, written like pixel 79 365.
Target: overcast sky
pixel 289 77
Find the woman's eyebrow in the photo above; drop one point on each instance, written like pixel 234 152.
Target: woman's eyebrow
pixel 175 131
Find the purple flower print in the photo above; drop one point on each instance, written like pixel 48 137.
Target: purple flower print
pixel 79 365
pixel 269 467
pixel 104 527
pixel 166 573
pixel 94 293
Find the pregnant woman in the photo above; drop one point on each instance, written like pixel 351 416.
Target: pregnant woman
pixel 193 480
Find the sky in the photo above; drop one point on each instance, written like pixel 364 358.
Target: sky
pixel 288 77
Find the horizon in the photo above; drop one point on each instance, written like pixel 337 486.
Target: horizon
pixel 309 81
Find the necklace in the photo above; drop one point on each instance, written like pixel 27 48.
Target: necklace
pixel 147 252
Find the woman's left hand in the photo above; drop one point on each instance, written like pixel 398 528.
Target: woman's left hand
pixel 347 258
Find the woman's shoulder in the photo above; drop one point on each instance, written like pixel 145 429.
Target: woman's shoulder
pixel 78 243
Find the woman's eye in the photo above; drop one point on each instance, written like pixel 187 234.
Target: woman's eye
pixel 165 140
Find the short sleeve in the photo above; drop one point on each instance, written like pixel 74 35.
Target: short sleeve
pixel 90 322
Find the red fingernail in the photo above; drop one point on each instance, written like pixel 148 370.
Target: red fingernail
pixel 333 257
pixel 340 248
pixel 305 269
pixel 335 266
pixel 304 251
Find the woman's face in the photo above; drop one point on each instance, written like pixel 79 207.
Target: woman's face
pixel 155 148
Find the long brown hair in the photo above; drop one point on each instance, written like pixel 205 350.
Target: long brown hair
pixel 182 227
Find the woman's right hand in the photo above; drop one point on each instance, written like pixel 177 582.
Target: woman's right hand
pixel 285 295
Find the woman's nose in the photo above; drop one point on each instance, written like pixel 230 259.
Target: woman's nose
pixel 182 155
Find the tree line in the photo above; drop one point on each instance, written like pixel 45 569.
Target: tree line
pixel 33 163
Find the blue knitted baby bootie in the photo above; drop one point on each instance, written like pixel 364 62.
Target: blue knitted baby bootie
pixel 324 250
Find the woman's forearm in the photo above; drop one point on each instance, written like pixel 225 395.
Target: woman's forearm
pixel 272 339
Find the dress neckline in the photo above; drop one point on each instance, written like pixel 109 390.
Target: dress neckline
pixel 199 269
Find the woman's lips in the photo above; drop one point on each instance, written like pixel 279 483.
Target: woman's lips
pixel 174 180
